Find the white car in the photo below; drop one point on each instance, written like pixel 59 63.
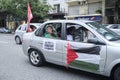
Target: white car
pixel 114 27
pixel 23 29
pixel 94 48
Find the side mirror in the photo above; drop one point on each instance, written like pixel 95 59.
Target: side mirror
pixel 95 41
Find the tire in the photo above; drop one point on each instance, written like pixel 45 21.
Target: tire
pixel 18 40
pixel 36 58
pixel 116 74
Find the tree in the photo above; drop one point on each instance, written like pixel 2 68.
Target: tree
pixel 18 8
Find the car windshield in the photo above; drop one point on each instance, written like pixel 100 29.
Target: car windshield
pixel 107 33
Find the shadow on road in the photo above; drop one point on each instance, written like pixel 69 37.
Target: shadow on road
pixel 77 72
pixel 74 71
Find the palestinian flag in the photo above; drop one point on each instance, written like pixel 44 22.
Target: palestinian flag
pixel 84 53
pixel 71 54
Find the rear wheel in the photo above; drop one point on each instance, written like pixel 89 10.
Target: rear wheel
pixel 17 40
pixel 36 58
pixel 116 74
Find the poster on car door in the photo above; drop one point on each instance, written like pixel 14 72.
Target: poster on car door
pixel 49 45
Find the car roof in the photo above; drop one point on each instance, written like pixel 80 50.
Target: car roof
pixel 35 24
pixel 75 21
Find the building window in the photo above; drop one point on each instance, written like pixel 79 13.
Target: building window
pixel 109 3
pixel 56 8
pixel 82 3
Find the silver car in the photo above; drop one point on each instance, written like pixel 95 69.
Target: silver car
pixel 90 46
pixel 114 27
pixel 21 30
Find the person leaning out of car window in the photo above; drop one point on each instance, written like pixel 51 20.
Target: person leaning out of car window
pixel 50 32
pixel 31 28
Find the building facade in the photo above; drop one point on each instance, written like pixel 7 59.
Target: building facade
pixel 102 11
pixel 85 9
pixel 110 11
pixel 58 10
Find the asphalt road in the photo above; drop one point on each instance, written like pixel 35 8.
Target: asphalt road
pixel 14 65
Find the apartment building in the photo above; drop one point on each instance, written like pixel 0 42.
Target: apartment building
pixel 110 12
pixel 84 9
pixel 58 10
pixel 98 10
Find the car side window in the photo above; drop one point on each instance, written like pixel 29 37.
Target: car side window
pixel 19 28
pixel 23 27
pixel 38 32
pixel 118 26
pixel 114 27
pixel 77 33
pixel 52 30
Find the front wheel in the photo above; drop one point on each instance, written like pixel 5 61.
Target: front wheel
pixel 18 40
pixel 36 58
pixel 116 74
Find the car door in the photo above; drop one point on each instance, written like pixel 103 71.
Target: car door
pixel 90 56
pixel 50 47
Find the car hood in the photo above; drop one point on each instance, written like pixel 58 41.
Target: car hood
pixel 115 43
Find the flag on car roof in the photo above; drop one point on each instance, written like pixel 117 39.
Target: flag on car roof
pixel 29 15
pixel 71 55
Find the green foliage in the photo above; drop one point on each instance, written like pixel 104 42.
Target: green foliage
pixel 18 8
pixel 99 11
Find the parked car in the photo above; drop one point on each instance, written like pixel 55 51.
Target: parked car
pixel 114 27
pixel 5 30
pixel 23 29
pixel 94 48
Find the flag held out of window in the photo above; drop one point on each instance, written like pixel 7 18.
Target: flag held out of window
pixel 30 16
